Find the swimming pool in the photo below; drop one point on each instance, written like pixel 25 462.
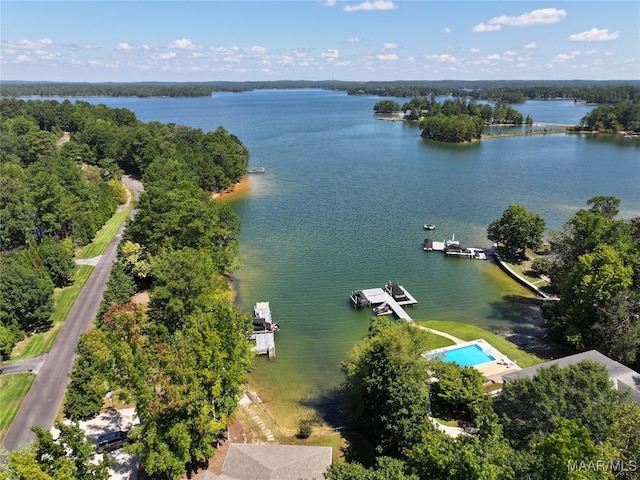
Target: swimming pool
pixel 466 356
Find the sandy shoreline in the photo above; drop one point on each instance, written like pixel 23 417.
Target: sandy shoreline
pixel 243 186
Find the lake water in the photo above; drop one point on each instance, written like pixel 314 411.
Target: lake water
pixel 342 204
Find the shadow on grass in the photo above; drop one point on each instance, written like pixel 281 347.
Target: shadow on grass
pixel 330 407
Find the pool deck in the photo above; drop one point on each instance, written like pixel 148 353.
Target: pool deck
pixel 492 370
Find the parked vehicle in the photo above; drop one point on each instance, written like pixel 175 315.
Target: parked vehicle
pixel 111 441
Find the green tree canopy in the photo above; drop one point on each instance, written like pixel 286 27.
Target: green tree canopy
pixel 517 230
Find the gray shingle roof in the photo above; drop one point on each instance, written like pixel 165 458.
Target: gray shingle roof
pixel 623 378
pixel 275 462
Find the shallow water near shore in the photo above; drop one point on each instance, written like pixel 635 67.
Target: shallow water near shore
pixel 341 207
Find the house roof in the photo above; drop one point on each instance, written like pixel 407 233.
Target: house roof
pixel 275 462
pixel 623 378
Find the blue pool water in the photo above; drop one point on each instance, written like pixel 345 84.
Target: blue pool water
pixel 467 356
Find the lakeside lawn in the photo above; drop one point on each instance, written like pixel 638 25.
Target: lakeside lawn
pixel 13 389
pixel 469 332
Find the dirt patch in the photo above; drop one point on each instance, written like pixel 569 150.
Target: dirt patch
pixel 239 188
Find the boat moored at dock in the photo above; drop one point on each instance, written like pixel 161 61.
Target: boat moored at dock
pixel 263 329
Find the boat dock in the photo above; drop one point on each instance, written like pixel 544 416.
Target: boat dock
pixel 453 248
pixel 378 296
pixel 263 330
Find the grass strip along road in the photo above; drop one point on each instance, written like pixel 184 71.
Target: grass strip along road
pixel 41 404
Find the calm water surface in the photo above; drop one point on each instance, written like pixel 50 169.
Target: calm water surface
pixel 342 204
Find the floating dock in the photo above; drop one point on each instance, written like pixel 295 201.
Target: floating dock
pixel 378 296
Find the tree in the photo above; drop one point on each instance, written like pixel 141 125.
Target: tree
pixel 565 449
pixel 17 210
pixel 386 106
pixel 88 385
pixel 581 392
pixel 624 438
pixel 186 385
pixel 67 457
pixel 26 294
pixel 517 230
pixel 594 281
pixel 388 387
pixel 617 328
pixel 386 468
pixel 57 259
pixel 456 390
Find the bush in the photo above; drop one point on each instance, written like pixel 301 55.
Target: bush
pixel 542 266
pixel 305 428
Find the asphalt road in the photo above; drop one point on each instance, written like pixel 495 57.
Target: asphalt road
pixel 42 403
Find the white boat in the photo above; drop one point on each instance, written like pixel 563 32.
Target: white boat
pixel 453 241
pixel 429 226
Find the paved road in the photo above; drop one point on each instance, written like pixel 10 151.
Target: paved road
pixel 47 391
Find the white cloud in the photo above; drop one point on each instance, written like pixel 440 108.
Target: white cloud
pixel 594 35
pixel 446 30
pixel 183 44
pixel 493 56
pixel 592 51
pixel 392 57
pixel 535 17
pixel 368 6
pixel 28 44
pixel 483 27
pixel 354 40
pixel 474 50
pixel 125 47
pixel 444 58
pixel 531 45
pixel 561 58
pixel 23 59
pixel 390 46
pixel 167 56
pixel 509 53
pixel 330 53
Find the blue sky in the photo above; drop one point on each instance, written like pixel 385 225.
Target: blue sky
pixel 348 40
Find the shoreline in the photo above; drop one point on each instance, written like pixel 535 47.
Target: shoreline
pixel 243 186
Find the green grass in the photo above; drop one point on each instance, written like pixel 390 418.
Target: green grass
pixel 469 332
pixel 64 299
pixel 13 389
pixel 104 236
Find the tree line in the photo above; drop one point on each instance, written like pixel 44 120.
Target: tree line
pixel 594 267
pixel 534 429
pixel 511 91
pixel 621 116
pixel 182 357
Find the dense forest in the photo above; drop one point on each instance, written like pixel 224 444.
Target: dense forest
pixel 56 194
pixel 510 91
pixel 621 116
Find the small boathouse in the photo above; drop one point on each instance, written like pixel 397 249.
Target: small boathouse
pixel 264 329
pixel 391 298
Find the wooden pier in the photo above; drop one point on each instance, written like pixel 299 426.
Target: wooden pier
pixel 378 296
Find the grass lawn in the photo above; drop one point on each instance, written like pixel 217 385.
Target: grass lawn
pixel 469 332
pixel 104 235
pixel 13 389
pixel 64 299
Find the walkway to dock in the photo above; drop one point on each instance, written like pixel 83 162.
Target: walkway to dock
pixel 377 296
